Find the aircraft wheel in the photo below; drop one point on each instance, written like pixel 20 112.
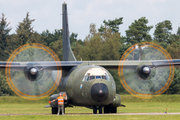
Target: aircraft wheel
pixel 114 110
pixel 100 110
pixel 107 109
pixel 94 110
pixel 54 110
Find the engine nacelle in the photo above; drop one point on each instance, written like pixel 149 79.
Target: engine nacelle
pixel 31 72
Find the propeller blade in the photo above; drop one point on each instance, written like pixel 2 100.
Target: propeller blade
pixel 29 78
pixel 148 79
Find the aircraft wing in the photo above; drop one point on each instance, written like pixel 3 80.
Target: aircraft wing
pixel 133 64
pixel 66 65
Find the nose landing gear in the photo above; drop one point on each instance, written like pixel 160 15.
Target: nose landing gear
pixel 95 108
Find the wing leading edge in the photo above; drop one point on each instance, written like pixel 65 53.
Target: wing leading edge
pixel 67 65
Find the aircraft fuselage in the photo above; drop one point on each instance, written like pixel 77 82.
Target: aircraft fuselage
pixel 89 85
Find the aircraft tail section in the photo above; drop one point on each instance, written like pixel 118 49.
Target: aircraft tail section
pixel 67 52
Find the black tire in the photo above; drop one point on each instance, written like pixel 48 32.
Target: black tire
pixel 107 109
pixel 114 110
pixel 100 110
pixel 54 110
pixel 94 110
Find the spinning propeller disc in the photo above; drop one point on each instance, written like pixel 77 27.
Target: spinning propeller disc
pixel 146 80
pixel 32 79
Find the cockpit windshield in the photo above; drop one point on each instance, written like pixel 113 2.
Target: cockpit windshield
pixel 104 77
pixel 87 78
pixel 98 77
pixel 96 74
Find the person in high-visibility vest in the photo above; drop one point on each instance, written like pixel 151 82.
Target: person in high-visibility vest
pixel 60 99
pixel 60 104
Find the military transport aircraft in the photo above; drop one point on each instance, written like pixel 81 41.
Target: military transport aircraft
pixel 85 83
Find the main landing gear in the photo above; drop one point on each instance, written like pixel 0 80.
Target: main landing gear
pixel 107 109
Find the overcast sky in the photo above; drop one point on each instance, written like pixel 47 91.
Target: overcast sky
pixel 47 13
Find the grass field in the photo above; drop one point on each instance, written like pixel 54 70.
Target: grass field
pixel 16 105
pixel 91 117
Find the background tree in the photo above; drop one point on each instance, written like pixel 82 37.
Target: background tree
pixel 162 32
pixel 174 50
pixel 49 37
pixel 111 44
pixel 139 31
pixel 76 45
pixel 25 34
pixel 175 85
pixel 111 24
pixel 25 31
pixel 92 45
pixel 4 37
pixel 56 44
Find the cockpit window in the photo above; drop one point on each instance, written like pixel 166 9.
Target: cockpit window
pixel 98 77
pixel 104 77
pixel 87 77
pixel 107 76
pixel 91 77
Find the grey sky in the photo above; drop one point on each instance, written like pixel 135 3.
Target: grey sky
pixel 47 13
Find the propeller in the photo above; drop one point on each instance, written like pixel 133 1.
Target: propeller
pixel 146 80
pixel 31 77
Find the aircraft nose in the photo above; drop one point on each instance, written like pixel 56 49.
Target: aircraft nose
pixel 99 92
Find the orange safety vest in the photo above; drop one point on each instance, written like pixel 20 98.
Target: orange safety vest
pixel 60 100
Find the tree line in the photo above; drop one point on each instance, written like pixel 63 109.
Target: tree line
pixel 104 43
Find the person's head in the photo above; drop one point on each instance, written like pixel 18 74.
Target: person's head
pixel 60 94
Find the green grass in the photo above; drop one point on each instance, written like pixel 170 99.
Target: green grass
pixel 130 108
pixel 124 98
pixel 161 98
pixel 92 117
pixel 16 99
pixel 149 107
pixel 16 105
